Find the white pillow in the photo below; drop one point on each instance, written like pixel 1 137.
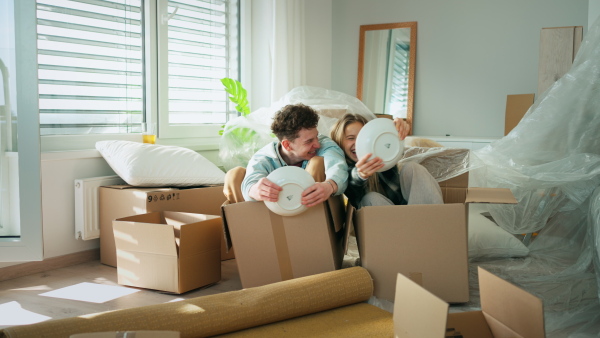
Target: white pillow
pixel 488 240
pixel 152 165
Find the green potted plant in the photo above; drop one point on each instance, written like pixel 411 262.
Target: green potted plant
pixel 240 138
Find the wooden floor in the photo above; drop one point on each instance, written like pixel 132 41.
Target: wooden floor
pixel 93 287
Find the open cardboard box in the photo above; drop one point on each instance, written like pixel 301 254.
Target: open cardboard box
pixel 270 248
pixel 118 201
pixel 506 311
pixel 169 251
pixel 427 243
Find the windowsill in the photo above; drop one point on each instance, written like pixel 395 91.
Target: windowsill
pixel 72 146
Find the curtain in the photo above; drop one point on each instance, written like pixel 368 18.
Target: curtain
pixel 287 47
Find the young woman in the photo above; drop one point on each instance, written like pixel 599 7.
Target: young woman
pixel 412 184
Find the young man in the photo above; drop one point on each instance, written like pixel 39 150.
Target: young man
pixel 299 145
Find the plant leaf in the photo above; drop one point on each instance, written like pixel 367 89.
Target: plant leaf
pixel 239 95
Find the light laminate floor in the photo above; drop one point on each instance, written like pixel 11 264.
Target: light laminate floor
pixel 87 288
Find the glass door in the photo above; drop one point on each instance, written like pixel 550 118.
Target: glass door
pixel 20 188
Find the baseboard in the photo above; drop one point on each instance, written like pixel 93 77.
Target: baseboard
pixel 30 268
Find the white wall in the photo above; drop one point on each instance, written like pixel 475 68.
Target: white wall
pixel 470 55
pixel 593 11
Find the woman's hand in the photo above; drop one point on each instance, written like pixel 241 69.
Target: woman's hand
pixel 402 127
pixel 367 167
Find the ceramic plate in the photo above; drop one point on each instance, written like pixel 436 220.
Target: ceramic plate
pixel 380 138
pixel 293 181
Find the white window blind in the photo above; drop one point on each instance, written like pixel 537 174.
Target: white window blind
pixel 93 58
pixel 200 41
pixel 90 62
pixel 399 92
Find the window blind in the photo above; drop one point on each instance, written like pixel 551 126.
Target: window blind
pixel 202 49
pixel 400 77
pixel 90 66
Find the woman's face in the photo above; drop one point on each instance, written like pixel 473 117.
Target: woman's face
pixel 350 132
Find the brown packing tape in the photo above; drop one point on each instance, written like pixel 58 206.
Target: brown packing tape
pixel 281 246
pixel 225 226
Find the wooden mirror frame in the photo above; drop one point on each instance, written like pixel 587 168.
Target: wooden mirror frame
pixel 411 62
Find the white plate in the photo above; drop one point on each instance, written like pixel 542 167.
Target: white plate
pixel 293 180
pixel 380 138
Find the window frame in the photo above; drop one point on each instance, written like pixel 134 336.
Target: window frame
pixel 29 247
pixel 197 137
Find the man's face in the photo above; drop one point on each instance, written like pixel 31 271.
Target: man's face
pixel 305 146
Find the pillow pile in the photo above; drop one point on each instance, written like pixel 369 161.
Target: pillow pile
pixel 152 165
pixel 488 240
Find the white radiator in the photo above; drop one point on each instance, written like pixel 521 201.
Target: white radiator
pixel 87 225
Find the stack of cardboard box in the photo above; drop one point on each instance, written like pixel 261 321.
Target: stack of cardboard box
pixel 166 237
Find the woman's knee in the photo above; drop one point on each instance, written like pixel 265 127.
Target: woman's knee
pixel 374 199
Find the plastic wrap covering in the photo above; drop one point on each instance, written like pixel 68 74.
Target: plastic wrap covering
pixel 243 136
pixel 551 162
pixel 442 163
pixel 594 232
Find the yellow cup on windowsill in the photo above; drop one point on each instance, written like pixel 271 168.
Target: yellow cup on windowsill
pixel 149 133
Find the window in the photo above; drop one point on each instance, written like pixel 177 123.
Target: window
pixel 89 66
pixel 105 66
pixel 399 79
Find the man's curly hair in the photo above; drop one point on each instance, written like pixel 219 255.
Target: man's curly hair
pixel 291 119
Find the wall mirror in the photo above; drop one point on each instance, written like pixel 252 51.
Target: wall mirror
pixel 386 68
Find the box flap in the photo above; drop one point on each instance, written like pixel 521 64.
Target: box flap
pixel 145 233
pixel 195 233
pixel 226 226
pixel 348 226
pixel 516 107
pixel 510 306
pixel 336 208
pixel 417 312
pixel 490 195
pixel 470 324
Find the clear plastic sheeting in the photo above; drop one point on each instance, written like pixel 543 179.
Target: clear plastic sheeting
pixel 243 136
pixel 551 163
pixel 594 232
pixel 442 163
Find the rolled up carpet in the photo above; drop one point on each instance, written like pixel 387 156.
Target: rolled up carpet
pixel 221 313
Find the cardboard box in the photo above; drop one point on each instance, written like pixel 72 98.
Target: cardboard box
pixel 169 251
pixel 118 201
pixel 506 311
pixel 427 243
pixel 271 248
pixel 516 107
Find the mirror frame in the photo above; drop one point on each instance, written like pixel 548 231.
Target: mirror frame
pixel 411 62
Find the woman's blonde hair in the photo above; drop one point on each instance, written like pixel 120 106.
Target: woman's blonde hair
pixel 338 134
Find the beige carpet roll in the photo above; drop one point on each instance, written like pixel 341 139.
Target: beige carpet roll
pixel 221 313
